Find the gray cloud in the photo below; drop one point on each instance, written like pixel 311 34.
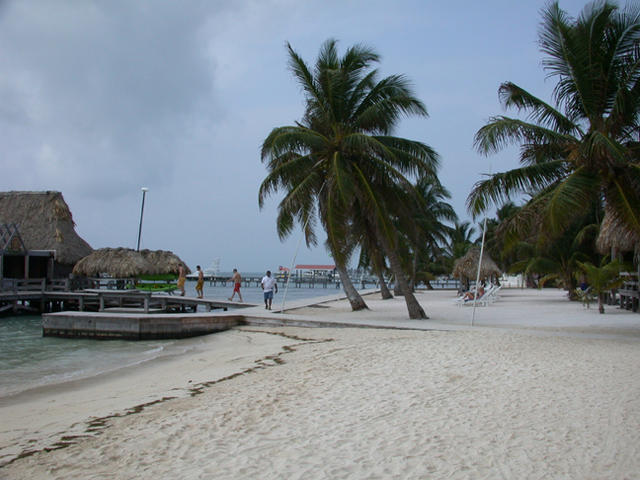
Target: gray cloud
pixel 102 89
pixel 99 98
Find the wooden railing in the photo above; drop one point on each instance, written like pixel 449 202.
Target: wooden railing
pixel 23 285
pixel 33 285
pixel 630 292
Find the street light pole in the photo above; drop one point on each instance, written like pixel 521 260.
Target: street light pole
pixel 144 192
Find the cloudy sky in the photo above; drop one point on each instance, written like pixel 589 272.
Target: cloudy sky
pixel 101 98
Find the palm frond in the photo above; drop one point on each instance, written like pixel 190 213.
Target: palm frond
pixel 573 194
pixel 502 131
pixel 502 186
pixel 539 112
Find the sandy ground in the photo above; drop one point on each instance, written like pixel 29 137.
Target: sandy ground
pixel 538 388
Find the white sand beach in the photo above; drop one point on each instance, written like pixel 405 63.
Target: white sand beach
pixel 539 388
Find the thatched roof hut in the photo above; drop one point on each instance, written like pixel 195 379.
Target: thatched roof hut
pixel 466 267
pixel 45 223
pixel 165 261
pixel 615 234
pixel 128 263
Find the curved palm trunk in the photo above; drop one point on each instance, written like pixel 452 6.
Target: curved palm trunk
pixel 384 289
pixel 414 270
pixel 378 262
pixel 355 299
pixel 413 307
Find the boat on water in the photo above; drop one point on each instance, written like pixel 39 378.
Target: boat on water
pixel 212 271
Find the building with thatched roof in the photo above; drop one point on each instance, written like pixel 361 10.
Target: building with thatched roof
pixel 128 263
pixel 616 237
pixel 466 268
pixel 38 222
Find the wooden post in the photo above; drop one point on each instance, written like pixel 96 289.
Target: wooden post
pixel 101 299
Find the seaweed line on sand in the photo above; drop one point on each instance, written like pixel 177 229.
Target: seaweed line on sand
pixel 97 425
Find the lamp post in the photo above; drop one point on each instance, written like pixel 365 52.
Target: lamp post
pixel 144 192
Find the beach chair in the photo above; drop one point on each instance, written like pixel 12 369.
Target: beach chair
pixel 461 299
pixel 493 295
pixel 481 300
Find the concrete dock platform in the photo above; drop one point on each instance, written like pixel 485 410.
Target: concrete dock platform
pixel 135 326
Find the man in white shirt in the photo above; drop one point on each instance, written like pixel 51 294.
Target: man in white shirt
pixel 269 285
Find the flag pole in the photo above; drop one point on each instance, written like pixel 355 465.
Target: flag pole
pixel 475 295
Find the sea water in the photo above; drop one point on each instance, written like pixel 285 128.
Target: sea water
pixel 28 360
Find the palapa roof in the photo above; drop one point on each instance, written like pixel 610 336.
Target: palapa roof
pixel 614 233
pixel 129 263
pixel 45 223
pixel 165 261
pixel 467 266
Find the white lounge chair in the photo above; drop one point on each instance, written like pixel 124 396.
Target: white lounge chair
pixel 482 299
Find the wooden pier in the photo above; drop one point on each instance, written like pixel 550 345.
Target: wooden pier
pixel 100 300
pixel 122 314
pixel 125 313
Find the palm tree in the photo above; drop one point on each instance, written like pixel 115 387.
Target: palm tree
pixel 603 278
pixel 555 257
pixel 459 240
pixel 585 149
pixel 371 257
pixel 430 230
pixel 341 157
pixel 497 235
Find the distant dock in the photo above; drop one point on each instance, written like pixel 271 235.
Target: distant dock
pixel 297 281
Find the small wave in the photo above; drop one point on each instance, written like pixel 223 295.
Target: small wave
pixel 84 363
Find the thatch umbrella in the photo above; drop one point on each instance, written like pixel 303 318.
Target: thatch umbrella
pixel 466 267
pixel 616 235
pixel 128 263
pixel 165 261
pixel 45 223
pixel 115 262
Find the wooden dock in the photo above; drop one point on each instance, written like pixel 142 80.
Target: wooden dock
pixel 100 300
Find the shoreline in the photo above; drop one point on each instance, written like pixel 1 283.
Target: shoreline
pixel 31 421
pixel 566 396
pixel 70 367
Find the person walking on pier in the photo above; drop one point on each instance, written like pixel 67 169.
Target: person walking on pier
pixel 269 284
pixel 237 283
pixel 200 283
pixel 181 279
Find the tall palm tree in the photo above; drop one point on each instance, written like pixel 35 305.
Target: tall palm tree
pixel 429 229
pixel 497 233
pixel 459 240
pixel 341 157
pixel 585 150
